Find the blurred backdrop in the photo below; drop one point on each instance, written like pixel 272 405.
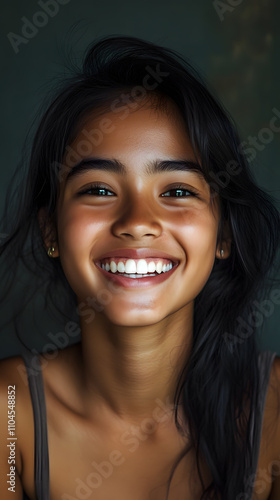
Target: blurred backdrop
pixel 233 43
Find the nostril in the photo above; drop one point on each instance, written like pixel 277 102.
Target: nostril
pixel 137 226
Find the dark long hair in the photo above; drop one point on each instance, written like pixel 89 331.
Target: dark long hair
pixel 219 384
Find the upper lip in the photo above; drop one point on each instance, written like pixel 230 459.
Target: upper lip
pixel 138 253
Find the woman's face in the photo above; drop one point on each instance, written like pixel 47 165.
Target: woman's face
pixel 138 245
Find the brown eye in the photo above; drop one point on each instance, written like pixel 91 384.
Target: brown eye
pixel 179 192
pixel 96 190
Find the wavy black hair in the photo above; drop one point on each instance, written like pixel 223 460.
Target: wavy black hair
pixel 220 381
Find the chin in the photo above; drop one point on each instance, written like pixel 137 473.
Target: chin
pixel 140 317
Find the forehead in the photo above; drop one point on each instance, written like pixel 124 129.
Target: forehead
pixel 148 128
pixel 147 135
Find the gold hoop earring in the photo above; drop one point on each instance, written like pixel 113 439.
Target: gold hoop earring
pixel 51 251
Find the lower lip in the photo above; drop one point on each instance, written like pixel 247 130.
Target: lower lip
pixel 137 282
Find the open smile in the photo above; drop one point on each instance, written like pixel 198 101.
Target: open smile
pixel 129 271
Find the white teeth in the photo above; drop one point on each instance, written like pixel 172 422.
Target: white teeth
pixel 130 266
pixel 113 267
pixel 142 267
pixel 151 267
pixel 159 267
pixel 120 267
pixel 139 267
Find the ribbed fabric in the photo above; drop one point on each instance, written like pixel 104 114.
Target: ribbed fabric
pixel 41 462
pixel 41 458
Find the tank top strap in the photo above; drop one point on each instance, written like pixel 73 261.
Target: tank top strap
pixel 265 361
pixel 41 458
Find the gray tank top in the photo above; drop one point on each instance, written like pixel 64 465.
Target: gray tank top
pixel 41 459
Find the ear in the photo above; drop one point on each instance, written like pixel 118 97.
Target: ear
pixel 48 231
pixel 224 246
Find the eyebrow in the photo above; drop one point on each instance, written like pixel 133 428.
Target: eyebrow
pixel 115 166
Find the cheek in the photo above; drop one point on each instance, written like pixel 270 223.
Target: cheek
pixel 197 234
pixel 77 229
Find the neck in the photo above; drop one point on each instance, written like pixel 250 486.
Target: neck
pixel 132 370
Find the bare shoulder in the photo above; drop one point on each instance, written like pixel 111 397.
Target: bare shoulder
pixel 16 422
pixel 13 373
pixel 12 369
pixel 272 406
pixel 275 372
pixel 273 393
pixel 271 429
pixel 14 386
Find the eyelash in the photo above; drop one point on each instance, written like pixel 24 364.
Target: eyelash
pixel 92 187
pixel 180 188
pixel 100 187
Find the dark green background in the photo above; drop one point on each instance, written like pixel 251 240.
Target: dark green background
pixel 239 56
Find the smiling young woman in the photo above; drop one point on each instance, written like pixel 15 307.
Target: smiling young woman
pixel 164 396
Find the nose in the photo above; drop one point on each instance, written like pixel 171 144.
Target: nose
pixel 137 221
